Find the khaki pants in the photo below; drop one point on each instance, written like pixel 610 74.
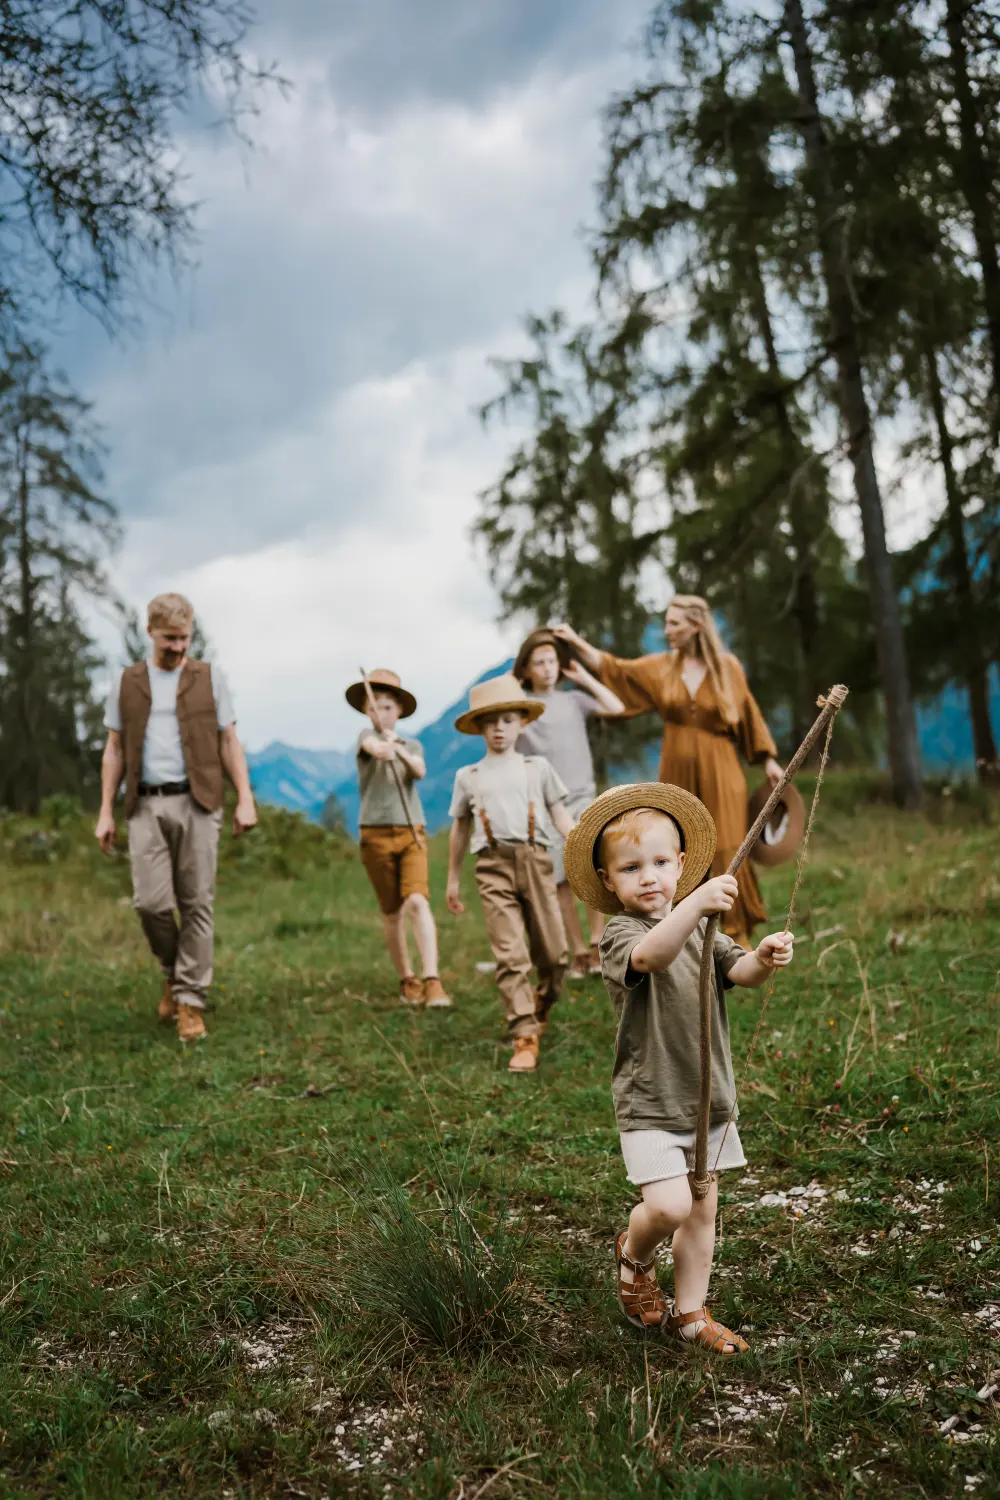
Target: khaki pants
pixel 525 927
pixel 173 844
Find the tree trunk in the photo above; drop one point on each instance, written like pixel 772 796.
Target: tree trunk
pixel 977 670
pixel 805 607
pixel 890 647
pixel 28 797
pixel 975 177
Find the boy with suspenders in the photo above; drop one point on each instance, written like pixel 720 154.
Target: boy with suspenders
pixel 504 809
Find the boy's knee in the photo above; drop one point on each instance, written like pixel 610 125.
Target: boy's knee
pixel 415 901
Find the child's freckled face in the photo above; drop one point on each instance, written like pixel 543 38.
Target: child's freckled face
pixel 644 868
pixel 500 731
pixel 387 710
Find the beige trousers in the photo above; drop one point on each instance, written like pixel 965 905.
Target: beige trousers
pixel 525 927
pixel 173 845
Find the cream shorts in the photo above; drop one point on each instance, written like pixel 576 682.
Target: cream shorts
pixel 654 1155
pixel 576 805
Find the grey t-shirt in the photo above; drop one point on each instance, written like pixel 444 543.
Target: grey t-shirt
pixel 561 736
pixel 656 1075
pixel 162 752
pixel 381 805
pixel 502 786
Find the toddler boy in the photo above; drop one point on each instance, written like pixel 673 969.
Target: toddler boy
pixel 502 808
pixel 640 852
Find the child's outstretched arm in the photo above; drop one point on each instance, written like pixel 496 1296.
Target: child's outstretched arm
pixel 661 945
pixel 458 844
pixel 773 952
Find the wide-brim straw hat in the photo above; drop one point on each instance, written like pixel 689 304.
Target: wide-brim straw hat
pixel 783 834
pixel 542 637
pixel 495 696
pixel 381 680
pixel 692 817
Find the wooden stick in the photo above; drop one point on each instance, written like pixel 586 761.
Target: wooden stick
pixel 392 764
pixel 701 1182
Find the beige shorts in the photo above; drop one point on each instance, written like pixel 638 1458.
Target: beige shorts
pixel 395 863
pixel 655 1155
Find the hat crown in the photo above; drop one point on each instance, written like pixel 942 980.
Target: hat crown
pixel 383 677
pixel 496 690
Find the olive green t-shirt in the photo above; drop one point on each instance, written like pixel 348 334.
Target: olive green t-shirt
pixel 381 804
pixel 656 1076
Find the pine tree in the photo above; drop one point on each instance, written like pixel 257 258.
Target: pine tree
pixel 56 531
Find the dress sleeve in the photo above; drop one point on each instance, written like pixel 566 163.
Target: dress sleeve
pixel 752 733
pixel 638 683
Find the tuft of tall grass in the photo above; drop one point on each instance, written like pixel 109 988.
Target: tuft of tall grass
pixel 446 1274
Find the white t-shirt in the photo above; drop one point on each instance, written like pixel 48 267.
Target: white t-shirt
pixel 162 751
pixel 503 786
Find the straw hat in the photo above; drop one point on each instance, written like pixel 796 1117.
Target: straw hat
pixel 385 681
pixel 692 817
pixel 783 835
pixel 494 696
pixel 543 637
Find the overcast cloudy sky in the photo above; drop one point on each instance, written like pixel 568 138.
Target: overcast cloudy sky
pixel 292 439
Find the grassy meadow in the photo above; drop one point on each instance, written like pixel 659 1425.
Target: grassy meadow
pixel 338 1250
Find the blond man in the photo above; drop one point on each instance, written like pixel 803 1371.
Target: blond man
pixel 172 736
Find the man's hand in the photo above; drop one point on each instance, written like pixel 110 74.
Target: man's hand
pixel 453 899
pixel 775 951
pixel 105 831
pixel 569 635
pixel 245 817
pixel 717 894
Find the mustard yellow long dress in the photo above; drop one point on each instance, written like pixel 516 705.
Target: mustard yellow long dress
pixel 700 752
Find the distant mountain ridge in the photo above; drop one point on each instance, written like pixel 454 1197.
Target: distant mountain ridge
pixel 302 780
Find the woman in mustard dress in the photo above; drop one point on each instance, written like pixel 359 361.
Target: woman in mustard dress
pixel 710 718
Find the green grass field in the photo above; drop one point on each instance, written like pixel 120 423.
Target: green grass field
pixel 211 1286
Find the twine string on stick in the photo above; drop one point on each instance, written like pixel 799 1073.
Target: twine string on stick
pixel 830 707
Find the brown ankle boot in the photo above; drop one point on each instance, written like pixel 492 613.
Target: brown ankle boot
pixel 524 1058
pixel 190 1024
pixel 435 996
pixel 411 990
pixel 167 1010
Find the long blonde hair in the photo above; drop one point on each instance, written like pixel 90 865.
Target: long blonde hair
pixel 713 653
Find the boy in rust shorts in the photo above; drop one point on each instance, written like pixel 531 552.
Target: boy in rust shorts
pixel 392 834
pixel 504 807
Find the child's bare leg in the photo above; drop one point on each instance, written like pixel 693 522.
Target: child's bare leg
pixel 418 909
pixel 571 918
pixel 693 1248
pixel 395 941
pixel 665 1206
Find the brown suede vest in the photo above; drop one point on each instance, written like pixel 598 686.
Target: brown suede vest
pixel 199 726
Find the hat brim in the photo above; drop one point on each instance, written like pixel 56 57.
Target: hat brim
pixel 784 848
pixel 537 638
pixel 358 698
pixel 468 723
pixel 695 821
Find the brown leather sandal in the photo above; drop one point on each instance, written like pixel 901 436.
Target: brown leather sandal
pixel 715 1337
pixel 640 1300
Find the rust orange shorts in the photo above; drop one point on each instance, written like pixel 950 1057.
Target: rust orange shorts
pixel 394 864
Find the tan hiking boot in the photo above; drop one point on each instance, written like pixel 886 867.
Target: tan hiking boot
pixel 411 990
pixel 580 967
pixel 190 1024
pixel 435 997
pixel 524 1058
pixel 167 1009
